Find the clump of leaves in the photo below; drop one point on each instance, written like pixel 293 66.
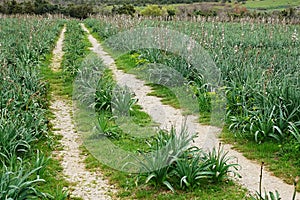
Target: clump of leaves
pixel 173 161
pixel 17 182
pixel 267 196
pixel 167 148
pixel 294 130
pixel 190 168
pixel 104 91
pixel 106 126
pixel 219 164
pixel 122 101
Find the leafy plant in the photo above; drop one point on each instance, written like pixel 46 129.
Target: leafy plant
pixel 167 148
pixel 219 164
pixel 156 167
pixel 86 82
pixel 60 194
pixel 104 91
pixel 122 101
pixel 41 163
pixel 18 182
pixel 294 130
pixel 190 168
pixel 11 142
pixel 267 196
pixel 106 126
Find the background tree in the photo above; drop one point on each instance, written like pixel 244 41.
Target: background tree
pixel 28 7
pixel 80 11
pixel 125 9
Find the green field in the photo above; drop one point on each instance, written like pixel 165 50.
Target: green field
pixel 254 58
pixel 256 64
pixel 271 4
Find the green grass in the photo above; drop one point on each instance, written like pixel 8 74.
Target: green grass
pixel 268 152
pixel 166 95
pixel 140 117
pixel 58 87
pixel 126 63
pixel 271 4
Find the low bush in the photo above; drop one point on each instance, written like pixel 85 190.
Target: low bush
pixel 172 162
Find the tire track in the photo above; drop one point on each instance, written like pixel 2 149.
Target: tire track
pixel 85 184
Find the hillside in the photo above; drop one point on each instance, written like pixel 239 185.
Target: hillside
pixel 271 4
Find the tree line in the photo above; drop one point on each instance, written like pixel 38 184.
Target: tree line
pixel 81 9
pixel 40 7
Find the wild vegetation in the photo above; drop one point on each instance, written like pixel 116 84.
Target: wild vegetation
pixel 24 126
pixel 82 9
pixel 258 61
pixel 188 170
pixel 40 7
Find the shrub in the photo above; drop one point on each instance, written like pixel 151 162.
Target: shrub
pixel 167 148
pixel 154 10
pixel 80 11
pixel 122 101
pixel 106 127
pixel 190 169
pixel 125 9
pixel 17 182
pixel 219 164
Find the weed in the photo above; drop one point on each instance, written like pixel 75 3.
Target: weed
pixel 219 164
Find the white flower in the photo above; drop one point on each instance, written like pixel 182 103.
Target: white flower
pixel 236 49
pixel 295 36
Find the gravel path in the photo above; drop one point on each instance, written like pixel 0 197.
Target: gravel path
pixel 207 137
pixel 58 52
pixel 85 184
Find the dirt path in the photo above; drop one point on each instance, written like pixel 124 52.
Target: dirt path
pixel 85 184
pixel 58 51
pixel 167 116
